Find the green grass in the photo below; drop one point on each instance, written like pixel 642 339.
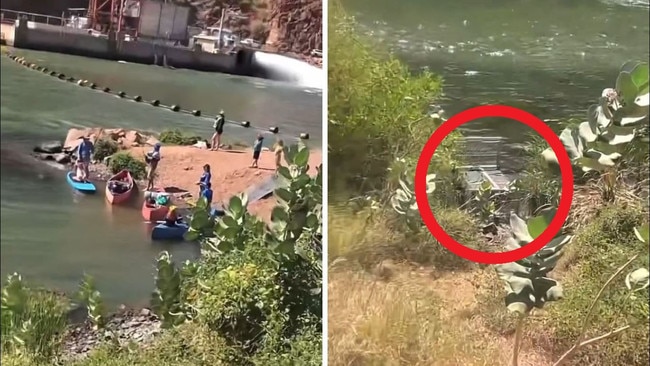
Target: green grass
pixel 596 252
pixel 370 238
pixel 188 345
pixel 37 328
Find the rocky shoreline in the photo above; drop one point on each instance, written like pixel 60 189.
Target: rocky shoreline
pixel 124 327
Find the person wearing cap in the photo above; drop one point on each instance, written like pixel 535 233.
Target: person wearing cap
pixel 218 130
pixel 152 158
pixel 85 152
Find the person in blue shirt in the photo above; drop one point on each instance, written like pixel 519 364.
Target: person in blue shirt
pixel 257 150
pixel 207 193
pixel 206 177
pixel 85 152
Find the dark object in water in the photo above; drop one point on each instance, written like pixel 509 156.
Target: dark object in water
pixel 49 147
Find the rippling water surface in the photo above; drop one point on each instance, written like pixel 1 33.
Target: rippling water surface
pixel 51 235
pixel 552 58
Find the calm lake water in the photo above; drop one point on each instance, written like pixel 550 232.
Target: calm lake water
pixel 51 235
pixel 552 58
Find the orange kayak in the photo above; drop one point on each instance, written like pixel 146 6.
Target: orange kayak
pixel 119 187
pixel 153 212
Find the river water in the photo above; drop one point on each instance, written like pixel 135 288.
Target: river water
pixel 52 236
pixel 552 58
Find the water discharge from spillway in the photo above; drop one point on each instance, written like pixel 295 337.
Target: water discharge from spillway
pixel 290 70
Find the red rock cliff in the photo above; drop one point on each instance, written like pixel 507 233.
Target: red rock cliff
pixel 284 26
pixel 295 26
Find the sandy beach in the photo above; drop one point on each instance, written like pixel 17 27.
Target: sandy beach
pixel 182 166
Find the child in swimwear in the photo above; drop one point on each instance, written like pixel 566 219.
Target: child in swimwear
pixel 80 172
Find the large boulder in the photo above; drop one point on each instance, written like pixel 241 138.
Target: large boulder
pixel 114 133
pixel 73 139
pixel 151 141
pixel 125 138
pixel 133 138
pixel 49 147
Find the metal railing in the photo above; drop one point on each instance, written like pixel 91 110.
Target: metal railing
pixel 482 152
pixel 12 15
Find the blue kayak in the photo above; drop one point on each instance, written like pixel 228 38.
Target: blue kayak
pixel 164 232
pixel 83 187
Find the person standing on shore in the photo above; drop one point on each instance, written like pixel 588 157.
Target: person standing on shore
pixel 218 130
pixel 152 158
pixel 205 179
pixel 278 150
pixel 257 150
pixel 85 152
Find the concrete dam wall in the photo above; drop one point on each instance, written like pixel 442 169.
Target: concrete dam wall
pixel 45 37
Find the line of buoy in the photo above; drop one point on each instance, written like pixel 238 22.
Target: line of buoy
pixel 137 98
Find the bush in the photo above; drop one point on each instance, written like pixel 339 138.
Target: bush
pixel 369 242
pixel 176 137
pixel 257 288
pixel 377 110
pixel 306 349
pixel 125 160
pixel 105 148
pixel 33 320
pixel 595 253
pixel 598 249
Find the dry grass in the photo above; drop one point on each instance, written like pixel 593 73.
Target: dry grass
pixel 394 303
pixel 395 323
pixel 414 319
pixel 401 314
pixel 369 237
pixel 588 201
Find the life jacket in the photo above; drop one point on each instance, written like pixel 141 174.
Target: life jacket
pixel 171 214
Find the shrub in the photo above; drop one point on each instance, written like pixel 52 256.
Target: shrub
pixel 378 110
pixel 33 320
pixel 602 246
pixel 258 289
pixel 176 137
pixel 125 160
pixel 105 148
pixel 306 349
pixel 593 256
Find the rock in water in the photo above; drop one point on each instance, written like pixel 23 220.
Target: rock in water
pixel 62 158
pixel 50 147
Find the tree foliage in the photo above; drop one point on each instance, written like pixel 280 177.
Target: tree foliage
pixel 378 110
